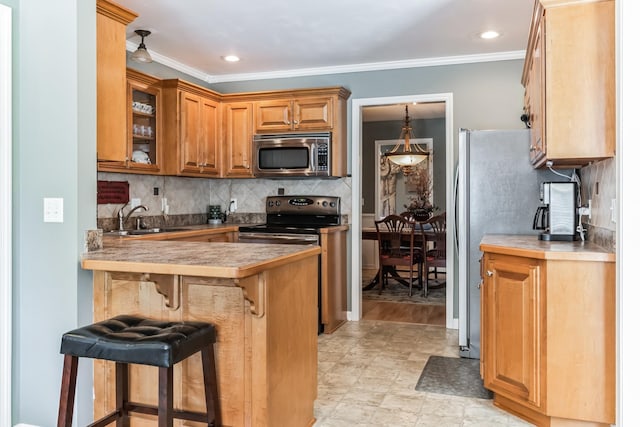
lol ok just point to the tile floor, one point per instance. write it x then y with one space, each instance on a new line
367 372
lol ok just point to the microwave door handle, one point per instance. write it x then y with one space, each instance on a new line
313 156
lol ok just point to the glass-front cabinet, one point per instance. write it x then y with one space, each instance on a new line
141 151
143 123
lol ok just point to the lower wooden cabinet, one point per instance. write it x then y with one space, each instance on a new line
512 324
548 332
228 236
333 279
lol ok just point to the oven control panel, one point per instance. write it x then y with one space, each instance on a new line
303 205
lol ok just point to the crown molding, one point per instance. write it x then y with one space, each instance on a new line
341 69
178 66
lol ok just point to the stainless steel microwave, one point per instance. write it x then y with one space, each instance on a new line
292 155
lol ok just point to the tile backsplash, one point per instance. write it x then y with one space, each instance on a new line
187 196
599 185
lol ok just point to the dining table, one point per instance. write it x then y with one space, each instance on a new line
370 233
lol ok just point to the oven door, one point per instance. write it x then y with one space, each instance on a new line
279 238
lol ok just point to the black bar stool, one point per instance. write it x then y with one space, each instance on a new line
129 339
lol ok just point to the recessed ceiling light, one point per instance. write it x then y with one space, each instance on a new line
487 35
231 58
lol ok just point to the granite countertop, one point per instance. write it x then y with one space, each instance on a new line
195 230
530 246
207 259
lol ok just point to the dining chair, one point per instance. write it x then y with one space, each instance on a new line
436 256
396 247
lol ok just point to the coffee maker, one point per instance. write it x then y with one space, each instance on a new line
558 215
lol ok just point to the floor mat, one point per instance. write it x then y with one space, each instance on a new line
453 376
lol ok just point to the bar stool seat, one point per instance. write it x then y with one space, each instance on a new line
135 340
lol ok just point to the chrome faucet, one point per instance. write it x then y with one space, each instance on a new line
122 218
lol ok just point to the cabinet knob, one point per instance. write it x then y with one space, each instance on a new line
489 273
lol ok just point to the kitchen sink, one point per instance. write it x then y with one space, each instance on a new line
143 231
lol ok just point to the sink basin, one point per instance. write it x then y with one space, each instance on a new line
144 231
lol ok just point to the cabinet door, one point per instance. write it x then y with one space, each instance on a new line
143 127
313 114
111 81
512 327
239 135
273 115
190 124
209 143
535 95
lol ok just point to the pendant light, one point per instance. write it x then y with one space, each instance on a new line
141 54
411 154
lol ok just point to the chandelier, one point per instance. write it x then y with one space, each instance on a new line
411 154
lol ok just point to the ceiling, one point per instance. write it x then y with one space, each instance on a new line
283 38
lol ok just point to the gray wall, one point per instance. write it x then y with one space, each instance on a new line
54 123
432 128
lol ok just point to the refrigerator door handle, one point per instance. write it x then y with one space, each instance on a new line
456 183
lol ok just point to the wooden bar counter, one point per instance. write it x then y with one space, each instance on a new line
262 300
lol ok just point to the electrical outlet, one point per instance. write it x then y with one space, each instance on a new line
585 210
233 205
614 210
53 209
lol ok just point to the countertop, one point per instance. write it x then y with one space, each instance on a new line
531 247
207 259
195 230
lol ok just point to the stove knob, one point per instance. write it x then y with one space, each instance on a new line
332 204
324 204
277 202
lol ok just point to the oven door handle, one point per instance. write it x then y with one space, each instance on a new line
274 238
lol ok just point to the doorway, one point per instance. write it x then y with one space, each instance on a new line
357 193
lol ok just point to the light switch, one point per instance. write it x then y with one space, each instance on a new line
53 209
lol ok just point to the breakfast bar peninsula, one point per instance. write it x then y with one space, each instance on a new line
262 300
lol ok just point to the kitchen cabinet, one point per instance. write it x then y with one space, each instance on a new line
548 330
192 130
303 114
229 236
512 317
333 277
306 110
238 152
569 79
111 84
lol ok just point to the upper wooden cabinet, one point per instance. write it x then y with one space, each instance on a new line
192 131
569 79
111 82
296 114
238 150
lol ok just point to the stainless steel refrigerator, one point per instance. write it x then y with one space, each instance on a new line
497 192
